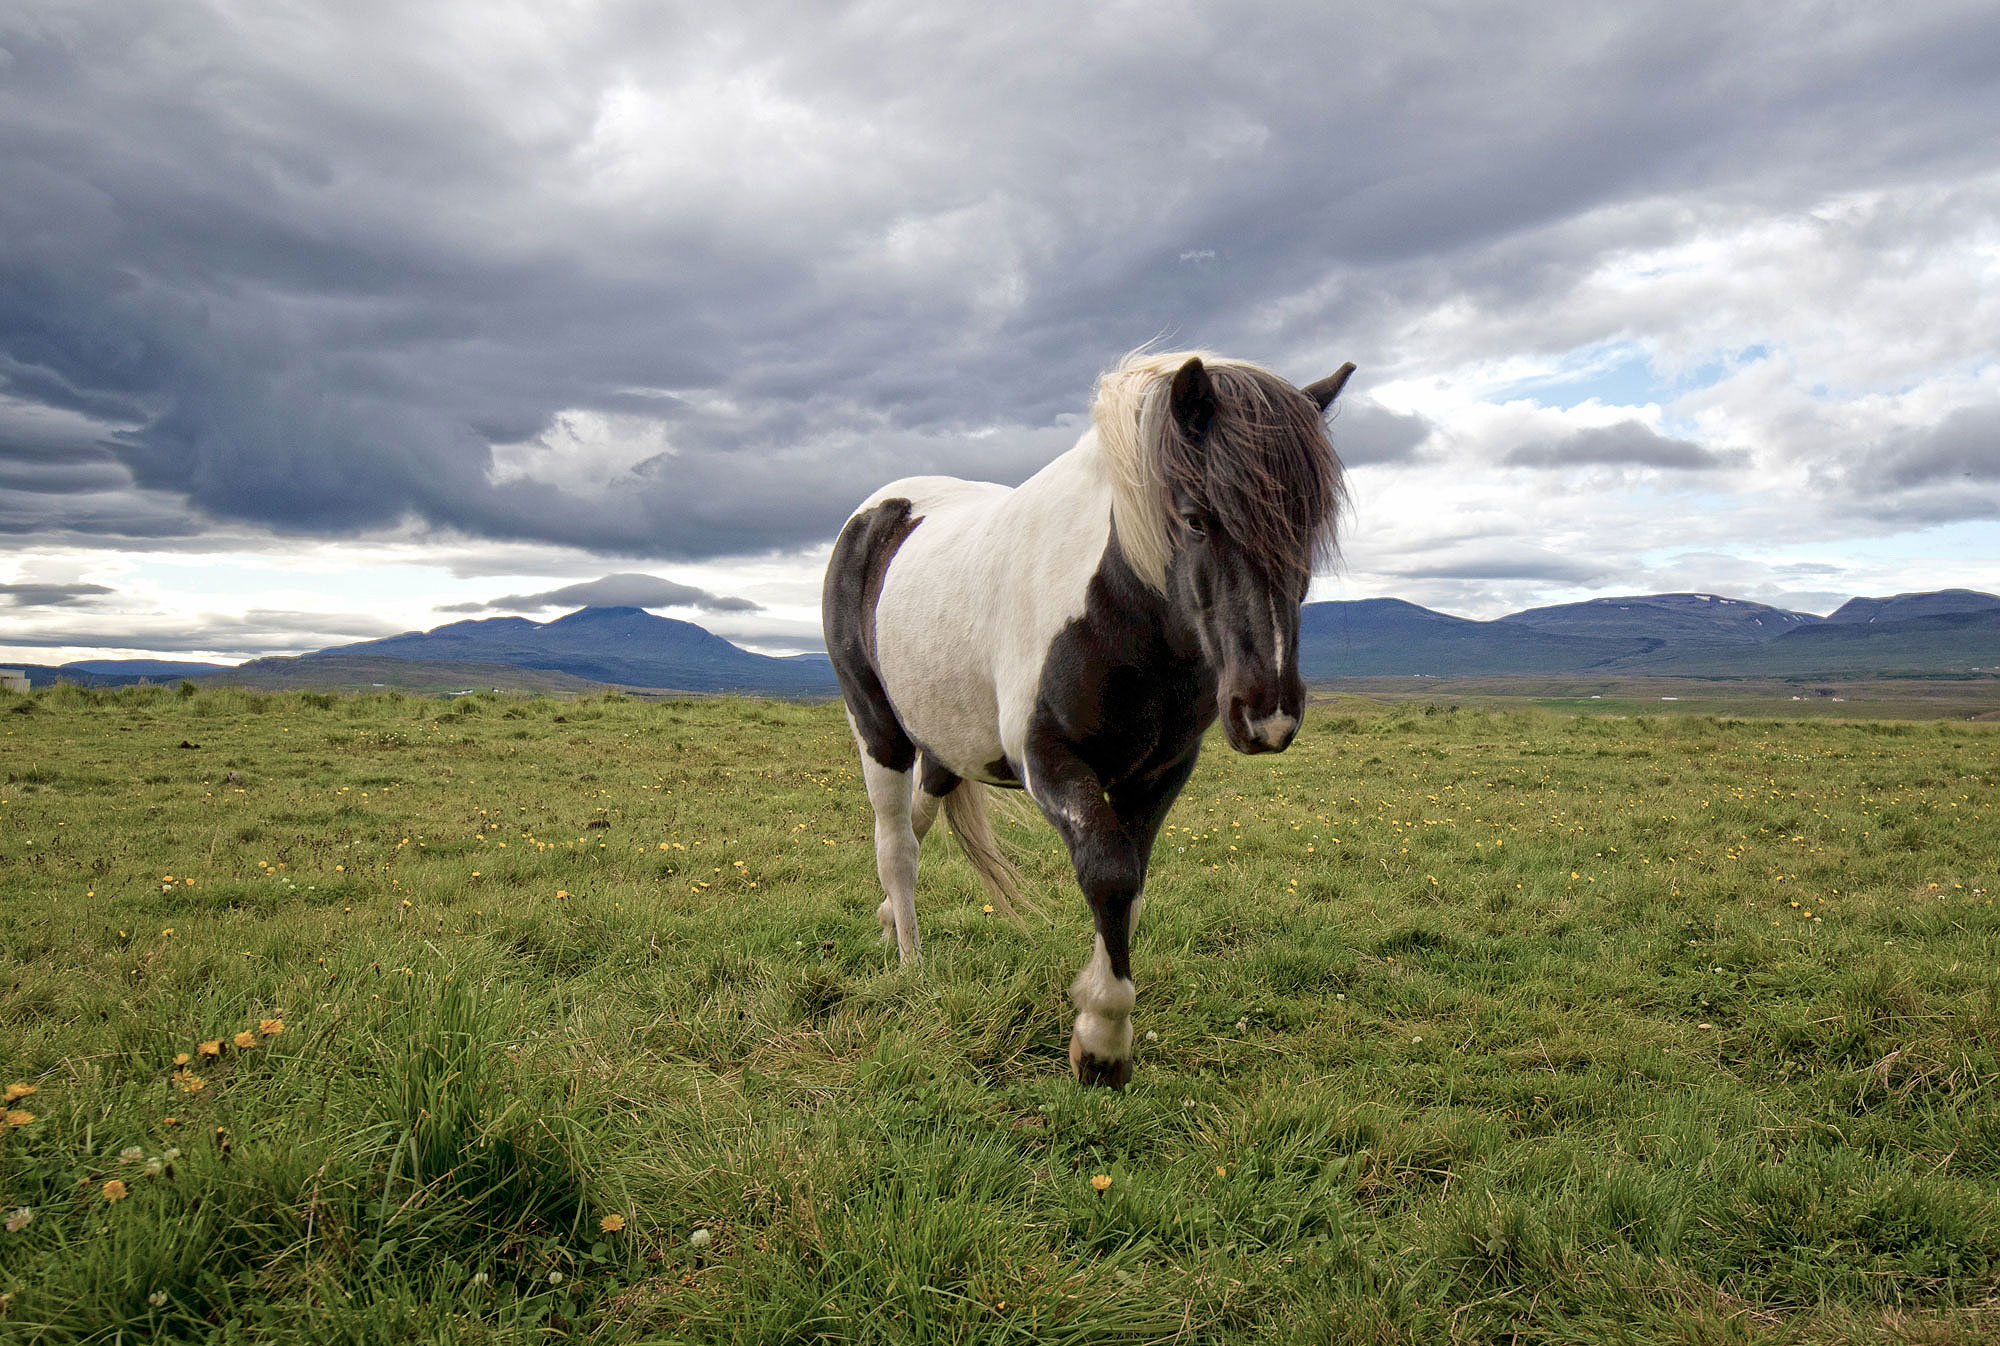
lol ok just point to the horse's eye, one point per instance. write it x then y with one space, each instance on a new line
1193 523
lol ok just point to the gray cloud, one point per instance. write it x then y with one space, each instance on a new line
258 631
1626 444
50 595
1367 433
306 275
624 590
1964 448
1505 562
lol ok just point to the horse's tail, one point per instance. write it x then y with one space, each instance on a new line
965 810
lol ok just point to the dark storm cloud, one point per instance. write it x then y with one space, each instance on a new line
306 270
1626 444
1922 476
50 595
1964 448
1365 433
623 590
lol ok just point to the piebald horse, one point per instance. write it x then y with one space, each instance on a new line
1074 637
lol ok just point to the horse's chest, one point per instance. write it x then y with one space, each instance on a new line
1130 721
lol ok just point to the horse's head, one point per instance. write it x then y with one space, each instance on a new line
1254 486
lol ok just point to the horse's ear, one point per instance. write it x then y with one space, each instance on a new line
1328 388
1193 399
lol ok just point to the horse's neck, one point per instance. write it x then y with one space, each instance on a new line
1070 500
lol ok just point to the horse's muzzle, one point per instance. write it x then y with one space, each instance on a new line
1249 732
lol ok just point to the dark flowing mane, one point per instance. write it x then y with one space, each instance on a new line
1264 470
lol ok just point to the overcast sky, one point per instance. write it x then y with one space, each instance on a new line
325 321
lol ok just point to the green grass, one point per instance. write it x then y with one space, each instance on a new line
1939 696
1455 1026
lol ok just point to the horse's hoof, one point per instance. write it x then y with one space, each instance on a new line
1110 1072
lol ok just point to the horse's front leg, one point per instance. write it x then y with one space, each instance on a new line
1111 870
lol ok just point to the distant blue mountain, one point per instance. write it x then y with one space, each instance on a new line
1702 635
116 672
1376 637
1669 619
1908 607
623 645
1949 631
143 668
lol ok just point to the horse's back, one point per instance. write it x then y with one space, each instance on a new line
933 495
979 584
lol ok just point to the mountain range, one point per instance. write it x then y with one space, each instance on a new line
1948 631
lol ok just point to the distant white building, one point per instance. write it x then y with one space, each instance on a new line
13 680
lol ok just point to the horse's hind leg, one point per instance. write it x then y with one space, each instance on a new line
890 793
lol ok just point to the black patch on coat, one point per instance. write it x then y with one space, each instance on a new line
937 779
847 615
1124 698
1000 771
1124 686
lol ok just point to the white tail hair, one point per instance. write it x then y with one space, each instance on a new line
965 811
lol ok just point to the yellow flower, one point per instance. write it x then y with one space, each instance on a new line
16 1117
245 1039
611 1224
1101 1181
15 1091
270 1028
181 1058
212 1047
189 1082
114 1190
988 908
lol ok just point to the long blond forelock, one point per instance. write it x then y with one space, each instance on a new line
1130 413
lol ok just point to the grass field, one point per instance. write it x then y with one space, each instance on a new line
1940 697
383 1018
